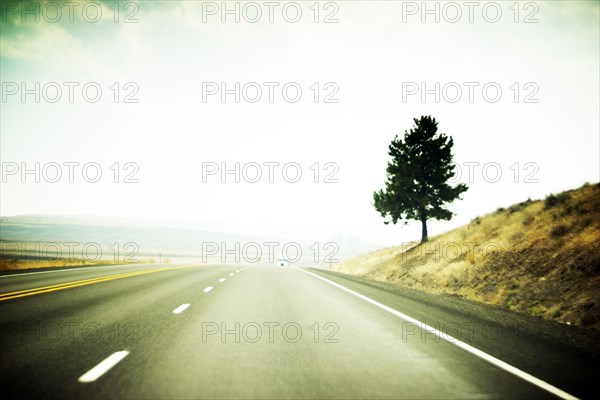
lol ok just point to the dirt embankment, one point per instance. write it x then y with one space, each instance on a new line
538 257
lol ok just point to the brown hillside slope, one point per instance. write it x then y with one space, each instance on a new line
539 257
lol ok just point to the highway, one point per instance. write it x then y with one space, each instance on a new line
244 331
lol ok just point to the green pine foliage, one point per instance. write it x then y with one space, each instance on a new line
417 177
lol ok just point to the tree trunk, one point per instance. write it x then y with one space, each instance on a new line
424 230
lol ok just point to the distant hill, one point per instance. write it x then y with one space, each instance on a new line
31 241
57 229
538 257
177 244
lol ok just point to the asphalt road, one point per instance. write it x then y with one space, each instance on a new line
269 332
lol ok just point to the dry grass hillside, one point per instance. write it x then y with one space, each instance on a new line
539 257
9 262
22 255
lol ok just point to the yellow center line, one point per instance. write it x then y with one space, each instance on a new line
84 282
63 284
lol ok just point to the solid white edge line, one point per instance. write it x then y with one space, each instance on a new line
476 352
104 366
208 289
181 308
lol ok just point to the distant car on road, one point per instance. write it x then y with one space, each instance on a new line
282 262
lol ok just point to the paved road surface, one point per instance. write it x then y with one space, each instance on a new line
267 332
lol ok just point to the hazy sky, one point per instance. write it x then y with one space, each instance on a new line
171 56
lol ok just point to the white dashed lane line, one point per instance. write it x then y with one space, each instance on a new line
103 367
231 274
180 309
222 280
208 289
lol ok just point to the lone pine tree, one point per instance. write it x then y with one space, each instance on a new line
417 177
